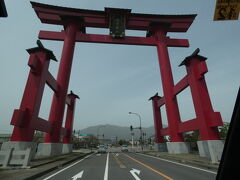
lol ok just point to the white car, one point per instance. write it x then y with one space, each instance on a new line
101 149
124 148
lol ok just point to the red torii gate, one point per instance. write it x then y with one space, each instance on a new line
75 22
207 120
26 119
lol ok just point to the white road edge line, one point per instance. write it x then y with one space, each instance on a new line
179 163
106 168
67 167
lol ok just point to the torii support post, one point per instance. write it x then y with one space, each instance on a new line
58 104
52 139
71 101
25 119
207 120
159 31
160 144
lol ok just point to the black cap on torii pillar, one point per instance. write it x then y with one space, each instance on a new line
74 95
155 97
194 54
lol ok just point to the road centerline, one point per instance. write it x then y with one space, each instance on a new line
106 168
148 167
119 162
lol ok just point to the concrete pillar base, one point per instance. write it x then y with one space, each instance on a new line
160 147
211 149
20 145
67 148
49 149
178 147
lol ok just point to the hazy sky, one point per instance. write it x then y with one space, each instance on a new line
112 80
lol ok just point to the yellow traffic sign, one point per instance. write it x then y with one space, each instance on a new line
226 10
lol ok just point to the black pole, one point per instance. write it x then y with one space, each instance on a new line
229 167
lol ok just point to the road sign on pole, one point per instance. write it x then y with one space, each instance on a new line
227 10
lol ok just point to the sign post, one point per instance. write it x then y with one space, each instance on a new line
227 10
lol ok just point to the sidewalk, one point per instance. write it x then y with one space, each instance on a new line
39 167
188 159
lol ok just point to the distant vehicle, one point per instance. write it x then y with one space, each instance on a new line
124 148
109 145
101 149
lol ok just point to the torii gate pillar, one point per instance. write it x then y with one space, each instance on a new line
71 101
177 144
160 144
25 119
59 100
52 145
210 144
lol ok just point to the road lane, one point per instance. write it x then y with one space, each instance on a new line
56 172
173 170
149 168
117 169
126 166
145 173
93 167
181 164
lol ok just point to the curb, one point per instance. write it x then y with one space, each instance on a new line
55 167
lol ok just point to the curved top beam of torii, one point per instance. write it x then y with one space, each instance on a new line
100 19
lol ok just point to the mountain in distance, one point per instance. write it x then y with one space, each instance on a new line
113 131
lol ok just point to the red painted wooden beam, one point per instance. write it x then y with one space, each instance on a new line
189 125
42 125
51 35
181 85
96 38
216 119
161 102
51 82
63 131
19 118
164 131
100 19
177 43
96 22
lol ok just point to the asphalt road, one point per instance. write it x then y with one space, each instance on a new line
127 166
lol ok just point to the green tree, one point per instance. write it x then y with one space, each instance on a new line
192 137
223 130
122 141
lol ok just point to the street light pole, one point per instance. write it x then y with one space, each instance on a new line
139 127
132 134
